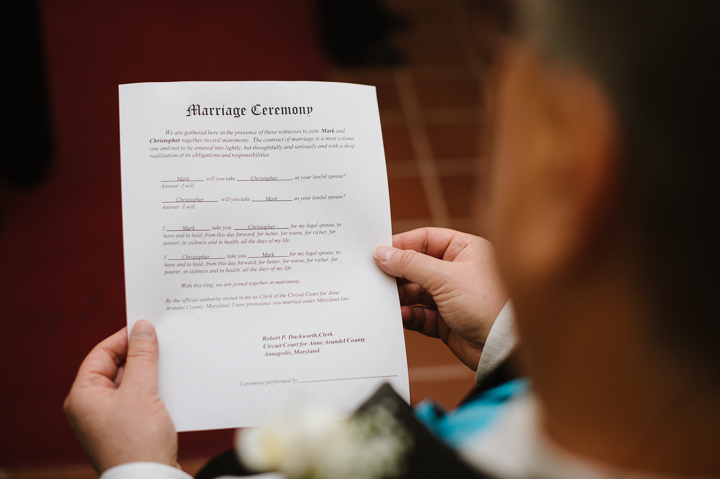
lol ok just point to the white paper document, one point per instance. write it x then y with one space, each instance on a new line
250 213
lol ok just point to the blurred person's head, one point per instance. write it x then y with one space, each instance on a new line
603 210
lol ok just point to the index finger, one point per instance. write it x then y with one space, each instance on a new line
101 366
430 241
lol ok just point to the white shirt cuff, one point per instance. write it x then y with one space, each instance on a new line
144 470
500 342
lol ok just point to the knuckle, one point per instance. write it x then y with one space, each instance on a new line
143 353
425 247
406 260
402 294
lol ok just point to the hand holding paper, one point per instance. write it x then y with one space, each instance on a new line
450 287
250 214
114 407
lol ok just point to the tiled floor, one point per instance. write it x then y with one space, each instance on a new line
433 112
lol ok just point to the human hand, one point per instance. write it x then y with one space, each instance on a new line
449 285
114 407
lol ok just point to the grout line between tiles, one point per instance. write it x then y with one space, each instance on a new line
458 15
458 18
421 148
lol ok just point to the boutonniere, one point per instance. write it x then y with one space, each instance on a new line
314 442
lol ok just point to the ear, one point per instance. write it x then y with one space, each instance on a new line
564 198
576 186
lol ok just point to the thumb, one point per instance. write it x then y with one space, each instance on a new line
424 270
141 366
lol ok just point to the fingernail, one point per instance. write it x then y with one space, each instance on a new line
384 253
143 329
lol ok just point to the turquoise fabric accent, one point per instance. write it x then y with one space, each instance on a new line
457 426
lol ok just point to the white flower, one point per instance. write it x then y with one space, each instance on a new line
315 442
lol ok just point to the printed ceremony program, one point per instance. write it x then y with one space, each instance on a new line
250 212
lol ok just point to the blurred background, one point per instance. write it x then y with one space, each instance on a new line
62 289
